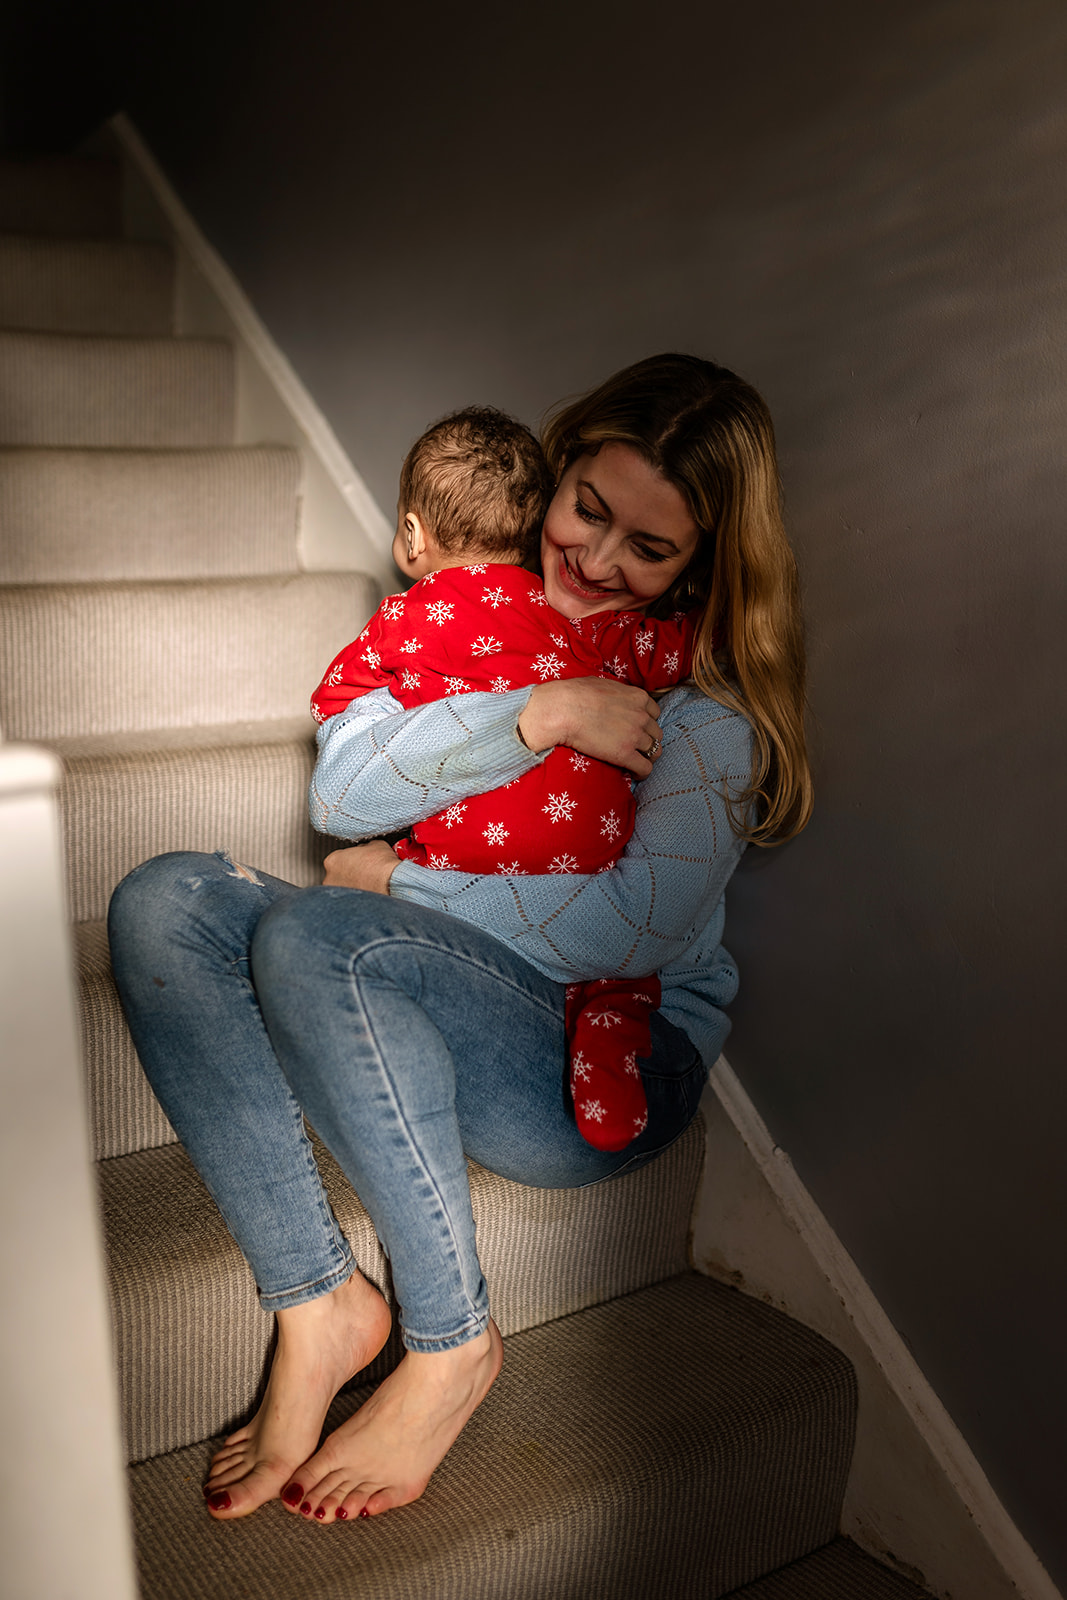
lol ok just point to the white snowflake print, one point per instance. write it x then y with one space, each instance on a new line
560 807
604 1019
335 674
495 833
454 815
500 685
593 1111
440 863
477 567
373 659
579 763
484 645
630 1064
362 635
457 685
640 1123
581 1069
563 863
537 597
512 870
441 611
409 680
410 647
616 666
643 641
672 661
320 716
547 666
558 640
393 608
647 998
610 826
495 597
431 577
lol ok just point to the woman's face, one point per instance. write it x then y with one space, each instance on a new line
616 536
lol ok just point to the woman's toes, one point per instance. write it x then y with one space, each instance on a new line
292 1495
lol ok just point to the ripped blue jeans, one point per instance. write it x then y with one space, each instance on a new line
409 1039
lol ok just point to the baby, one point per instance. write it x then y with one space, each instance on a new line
474 490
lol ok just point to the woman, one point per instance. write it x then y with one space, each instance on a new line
421 1019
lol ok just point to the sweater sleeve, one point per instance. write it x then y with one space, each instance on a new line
656 902
381 768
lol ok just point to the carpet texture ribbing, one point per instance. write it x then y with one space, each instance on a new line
191 1338
100 658
78 390
108 286
83 516
59 196
840 1571
670 1445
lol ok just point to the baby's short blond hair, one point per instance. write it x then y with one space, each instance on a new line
479 480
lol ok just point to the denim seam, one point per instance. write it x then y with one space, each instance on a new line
312 1290
401 1120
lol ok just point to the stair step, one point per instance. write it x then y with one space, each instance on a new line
840 1571
124 1114
191 1338
109 286
84 390
83 516
60 196
103 658
245 793
670 1445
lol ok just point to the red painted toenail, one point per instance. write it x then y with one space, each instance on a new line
364 1512
321 1512
220 1502
341 1514
305 1509
293 1495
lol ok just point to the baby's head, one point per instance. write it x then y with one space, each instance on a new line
474 488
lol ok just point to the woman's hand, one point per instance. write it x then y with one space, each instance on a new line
361 866
601 718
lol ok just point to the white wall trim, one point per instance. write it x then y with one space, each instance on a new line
321 437
917 1495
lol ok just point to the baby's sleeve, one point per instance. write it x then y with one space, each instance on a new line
357 669
649 653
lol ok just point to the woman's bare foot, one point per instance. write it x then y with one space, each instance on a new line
321 1344
386 1454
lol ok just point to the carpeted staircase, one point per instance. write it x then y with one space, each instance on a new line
653 1433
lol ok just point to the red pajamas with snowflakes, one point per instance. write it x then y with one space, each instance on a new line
489 627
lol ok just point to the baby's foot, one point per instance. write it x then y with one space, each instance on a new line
321 1345
387 1452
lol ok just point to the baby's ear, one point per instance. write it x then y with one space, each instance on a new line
415 535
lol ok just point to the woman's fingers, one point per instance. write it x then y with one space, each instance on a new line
596 716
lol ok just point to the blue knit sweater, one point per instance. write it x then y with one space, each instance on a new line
380 768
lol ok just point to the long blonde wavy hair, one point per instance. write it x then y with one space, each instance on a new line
710 434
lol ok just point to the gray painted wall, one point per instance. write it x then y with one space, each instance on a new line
861 209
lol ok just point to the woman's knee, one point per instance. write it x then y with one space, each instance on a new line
149 897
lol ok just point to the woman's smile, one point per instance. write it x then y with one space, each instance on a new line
616 536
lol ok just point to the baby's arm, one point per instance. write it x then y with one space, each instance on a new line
356 669
651 654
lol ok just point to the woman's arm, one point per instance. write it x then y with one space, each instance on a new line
381 768
647 910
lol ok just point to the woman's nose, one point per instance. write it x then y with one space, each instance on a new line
599 558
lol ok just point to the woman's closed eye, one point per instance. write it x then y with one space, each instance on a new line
587 513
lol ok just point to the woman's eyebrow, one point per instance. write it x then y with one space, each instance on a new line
656 538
